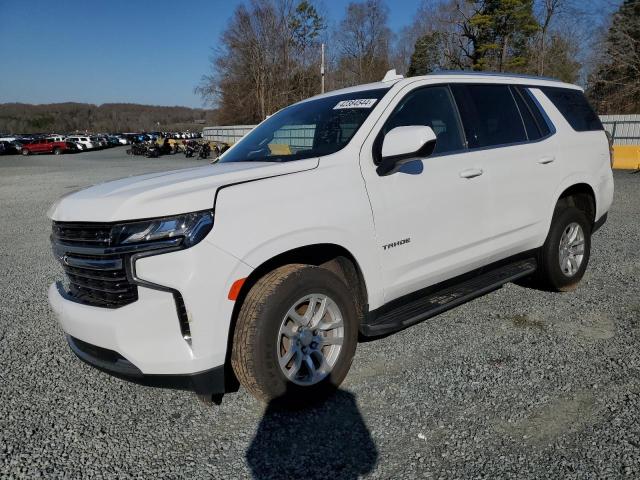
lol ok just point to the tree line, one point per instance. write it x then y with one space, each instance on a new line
108 117
269 54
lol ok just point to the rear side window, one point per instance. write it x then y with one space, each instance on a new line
489 115
574 107
535 109
533 132
534 123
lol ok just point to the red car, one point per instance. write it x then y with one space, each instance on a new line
45 145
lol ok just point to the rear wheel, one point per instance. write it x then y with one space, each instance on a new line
565 254
25 152
57 151
296 335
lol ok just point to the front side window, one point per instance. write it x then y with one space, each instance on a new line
432 107
489 115
305 130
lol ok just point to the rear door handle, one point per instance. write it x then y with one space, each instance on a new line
546 160
471 173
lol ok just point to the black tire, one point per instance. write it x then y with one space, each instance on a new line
254 355
550 275
57 151
25 152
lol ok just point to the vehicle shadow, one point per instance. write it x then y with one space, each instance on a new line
329 440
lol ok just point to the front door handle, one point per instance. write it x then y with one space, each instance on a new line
471 173
546 160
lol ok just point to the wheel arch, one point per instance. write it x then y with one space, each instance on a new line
582 196
333 257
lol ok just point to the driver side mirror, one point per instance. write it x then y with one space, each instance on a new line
403 144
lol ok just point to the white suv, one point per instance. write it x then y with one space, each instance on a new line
360 211
84 142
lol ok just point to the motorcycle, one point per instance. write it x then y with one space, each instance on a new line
205 150
153 151
189 150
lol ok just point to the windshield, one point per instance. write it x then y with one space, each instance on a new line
305 130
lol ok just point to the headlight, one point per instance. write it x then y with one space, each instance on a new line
191 227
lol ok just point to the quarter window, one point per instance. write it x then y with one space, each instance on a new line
574 107
489 115
432 107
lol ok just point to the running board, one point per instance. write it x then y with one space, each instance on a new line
445 298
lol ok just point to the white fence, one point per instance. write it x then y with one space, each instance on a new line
227 133
625 129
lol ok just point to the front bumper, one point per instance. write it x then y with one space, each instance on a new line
146 334
208 382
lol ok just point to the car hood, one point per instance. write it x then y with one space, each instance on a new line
165 193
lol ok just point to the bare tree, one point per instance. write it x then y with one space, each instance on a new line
265 60
549 9
615 85
363 42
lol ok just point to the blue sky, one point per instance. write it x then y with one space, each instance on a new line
140 51
151 52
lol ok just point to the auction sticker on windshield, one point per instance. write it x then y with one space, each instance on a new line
356 103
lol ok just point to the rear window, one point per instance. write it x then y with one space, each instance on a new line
574 107
489 115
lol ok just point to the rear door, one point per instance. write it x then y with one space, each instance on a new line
518 154
39 146
431 215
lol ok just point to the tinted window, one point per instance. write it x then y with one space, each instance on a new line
574 107
530 125
433 107
535 109
489 115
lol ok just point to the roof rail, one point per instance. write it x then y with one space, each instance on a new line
492 74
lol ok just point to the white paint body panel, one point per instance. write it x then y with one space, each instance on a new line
455 224
406 140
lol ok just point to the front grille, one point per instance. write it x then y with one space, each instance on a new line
96 276
82 233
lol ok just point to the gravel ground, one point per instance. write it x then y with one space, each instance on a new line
518 383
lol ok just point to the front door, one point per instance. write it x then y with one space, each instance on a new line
430 215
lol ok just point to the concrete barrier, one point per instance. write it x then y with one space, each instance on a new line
626 157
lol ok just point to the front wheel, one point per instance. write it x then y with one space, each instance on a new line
565 254
57 151
296 335
25 152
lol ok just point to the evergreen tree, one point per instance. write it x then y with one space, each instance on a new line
500 32
427 55
616 82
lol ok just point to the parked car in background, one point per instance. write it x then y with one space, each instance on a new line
97 142
73 147
10 147
113 140
45 145
86 142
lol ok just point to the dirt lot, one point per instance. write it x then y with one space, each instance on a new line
519 383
